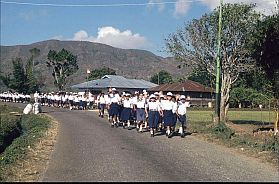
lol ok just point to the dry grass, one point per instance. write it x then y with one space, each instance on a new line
34 164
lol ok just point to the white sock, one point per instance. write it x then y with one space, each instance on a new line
180 130
128 123
140 129
168 132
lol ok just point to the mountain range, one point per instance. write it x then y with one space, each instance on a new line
129 63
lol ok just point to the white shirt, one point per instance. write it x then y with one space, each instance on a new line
114 99
36 95
102 100
71 97
107 99
127 103
167 105
140 103
64 99
76 99
134 100
154 105
174 108
182 107
91 98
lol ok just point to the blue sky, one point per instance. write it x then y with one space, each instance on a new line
131 24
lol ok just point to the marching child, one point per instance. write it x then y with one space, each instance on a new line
181 113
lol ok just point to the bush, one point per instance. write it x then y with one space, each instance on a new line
271 144
222 131
10 129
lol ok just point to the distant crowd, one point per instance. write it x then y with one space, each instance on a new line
153 112
15 97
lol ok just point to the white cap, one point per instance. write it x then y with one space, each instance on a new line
127 94
162 96
152 96
113 89
182 97
156 93
169 94
145 93
144 90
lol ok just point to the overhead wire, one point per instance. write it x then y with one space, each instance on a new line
98 5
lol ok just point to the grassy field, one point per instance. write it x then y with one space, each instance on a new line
197 121
238 117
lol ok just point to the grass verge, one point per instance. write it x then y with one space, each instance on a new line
264 145
33 127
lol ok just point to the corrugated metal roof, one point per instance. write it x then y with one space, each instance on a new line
188 85
115 81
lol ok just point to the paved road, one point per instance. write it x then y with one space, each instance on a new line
87 149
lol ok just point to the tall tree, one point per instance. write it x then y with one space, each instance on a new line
196 44
162 77
63 64
19 77
98 73
31 79
23 79
265 48
201 76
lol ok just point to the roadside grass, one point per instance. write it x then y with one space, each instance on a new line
236 116
198 122
32 127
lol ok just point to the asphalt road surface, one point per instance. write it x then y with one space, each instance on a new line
88 149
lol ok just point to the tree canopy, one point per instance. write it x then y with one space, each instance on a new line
98 73
63 64
23 79
265 48
196 44
163 78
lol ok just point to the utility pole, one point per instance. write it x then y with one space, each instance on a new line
218 68
87 73
158 78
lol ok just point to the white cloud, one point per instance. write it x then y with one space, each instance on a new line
114 37
264 6
181 8
152 3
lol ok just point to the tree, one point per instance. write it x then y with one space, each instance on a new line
98 73
201 76
23 80
265 48
196 45
31 80
63 64
163 78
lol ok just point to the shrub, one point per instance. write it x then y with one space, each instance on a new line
222 131
9 130
271 144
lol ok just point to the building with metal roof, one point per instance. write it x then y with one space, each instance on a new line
114 81
200 94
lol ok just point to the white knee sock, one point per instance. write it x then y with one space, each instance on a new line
180 130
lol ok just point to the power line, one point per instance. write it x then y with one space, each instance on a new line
97 5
